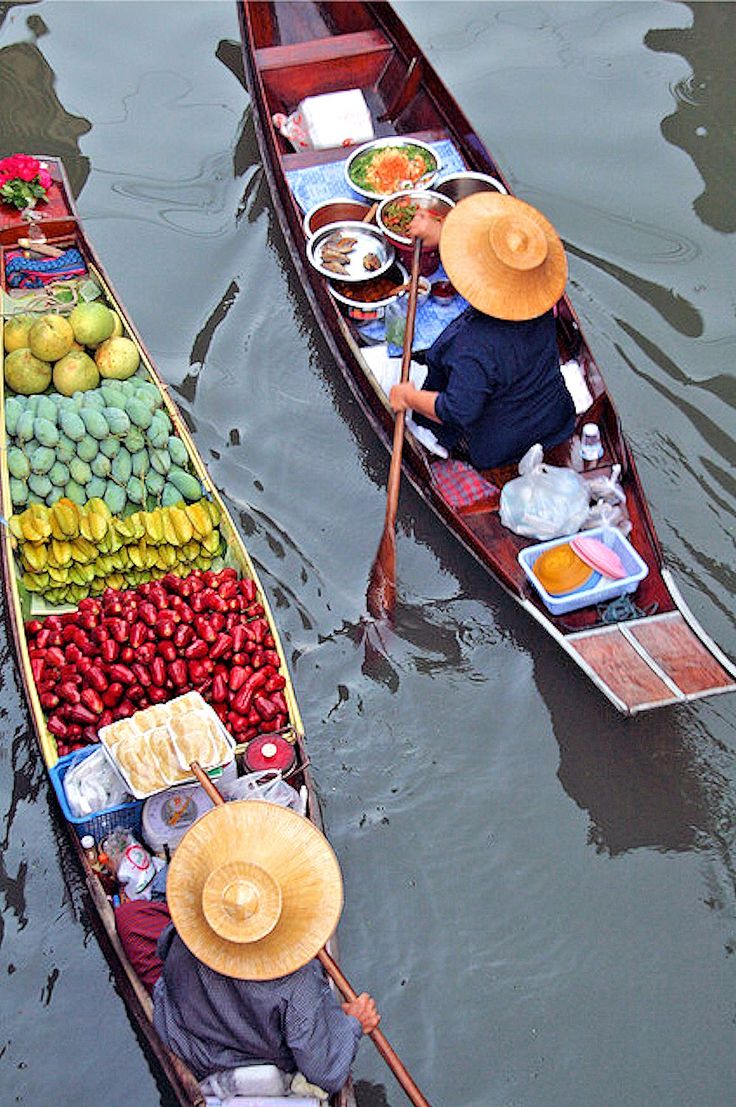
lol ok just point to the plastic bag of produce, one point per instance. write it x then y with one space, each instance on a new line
544 501
265 785
92 785
133 866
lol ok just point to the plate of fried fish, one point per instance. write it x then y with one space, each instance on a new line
350 251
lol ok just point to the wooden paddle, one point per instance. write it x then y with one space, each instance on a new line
381 597
380 1041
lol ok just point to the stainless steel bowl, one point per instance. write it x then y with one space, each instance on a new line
423 198
369 306
368 240
394 141
459 185
337 210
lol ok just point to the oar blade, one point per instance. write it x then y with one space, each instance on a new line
381 595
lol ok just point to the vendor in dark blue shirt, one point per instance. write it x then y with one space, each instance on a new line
494 385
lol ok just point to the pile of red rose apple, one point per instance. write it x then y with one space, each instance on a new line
126 650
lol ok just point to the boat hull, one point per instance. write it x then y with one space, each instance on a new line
294 51
61 228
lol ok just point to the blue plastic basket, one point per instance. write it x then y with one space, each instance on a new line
99 823
598 589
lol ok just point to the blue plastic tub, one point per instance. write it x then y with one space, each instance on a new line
599 588
99 823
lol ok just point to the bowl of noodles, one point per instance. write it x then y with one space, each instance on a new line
395 213
389 165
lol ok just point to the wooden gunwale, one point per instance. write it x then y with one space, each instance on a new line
67 230
277 31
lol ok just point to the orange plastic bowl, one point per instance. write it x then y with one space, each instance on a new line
560 570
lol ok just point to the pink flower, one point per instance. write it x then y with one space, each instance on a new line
19 165
23 181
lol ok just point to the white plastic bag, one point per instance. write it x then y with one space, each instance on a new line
544 501
331 119
608 506
265 785
92 785
132 864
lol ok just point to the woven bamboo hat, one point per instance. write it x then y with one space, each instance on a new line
254 890
503 256
560 570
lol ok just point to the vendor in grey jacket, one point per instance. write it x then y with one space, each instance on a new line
494 385
254 891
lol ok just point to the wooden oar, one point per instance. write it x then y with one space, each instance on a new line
381 597
380 1041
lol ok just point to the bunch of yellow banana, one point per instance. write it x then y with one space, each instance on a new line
68 551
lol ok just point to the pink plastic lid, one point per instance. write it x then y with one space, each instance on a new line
599 556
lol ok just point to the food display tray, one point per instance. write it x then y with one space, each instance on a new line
199 705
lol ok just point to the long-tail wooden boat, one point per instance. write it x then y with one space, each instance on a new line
34 604
295 50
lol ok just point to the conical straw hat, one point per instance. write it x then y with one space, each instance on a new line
254 890
503 256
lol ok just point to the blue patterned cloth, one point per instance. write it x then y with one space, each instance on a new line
317 183
215 1022
25 272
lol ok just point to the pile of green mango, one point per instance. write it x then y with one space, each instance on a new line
114 443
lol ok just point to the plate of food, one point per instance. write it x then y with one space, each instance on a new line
350 251
389 165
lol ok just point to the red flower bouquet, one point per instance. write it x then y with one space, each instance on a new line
23 181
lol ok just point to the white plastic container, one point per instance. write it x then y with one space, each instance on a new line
336 119
599 588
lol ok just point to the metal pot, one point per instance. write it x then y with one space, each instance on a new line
423 198
338 210
368 310
459 185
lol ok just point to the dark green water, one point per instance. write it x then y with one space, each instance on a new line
540 894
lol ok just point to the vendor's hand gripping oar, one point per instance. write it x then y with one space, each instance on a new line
381 597
332 968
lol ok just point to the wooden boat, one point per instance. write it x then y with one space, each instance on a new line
295 50
58 229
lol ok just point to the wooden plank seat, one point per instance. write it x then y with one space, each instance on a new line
290 73
333 49
658 659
